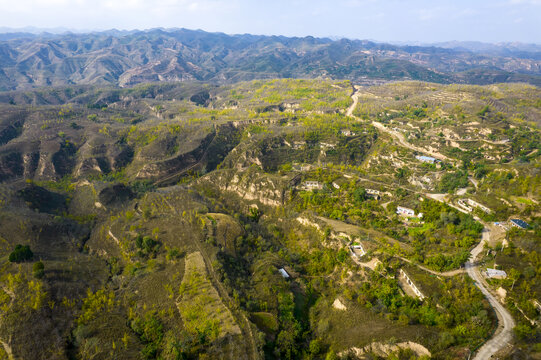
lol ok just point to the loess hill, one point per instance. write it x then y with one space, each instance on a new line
158 217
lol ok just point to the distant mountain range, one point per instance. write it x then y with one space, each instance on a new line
125 58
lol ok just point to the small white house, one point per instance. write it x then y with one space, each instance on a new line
327 145
373 193
463 205
405 211
311 185
496 274
347 132
412 285
298 144
427 159
357 250
475 204
284 273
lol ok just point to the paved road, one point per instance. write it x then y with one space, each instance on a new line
504 334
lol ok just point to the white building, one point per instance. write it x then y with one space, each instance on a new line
311 185
427 159
357 250
475 204
373 193
412 285
327 145
284 273
463 205
405 211
496 274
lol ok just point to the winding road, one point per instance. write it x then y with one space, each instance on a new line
504 333
394 134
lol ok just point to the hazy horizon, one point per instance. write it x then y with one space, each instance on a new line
419 21
412 42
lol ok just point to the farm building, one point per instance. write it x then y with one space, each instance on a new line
521 224
475 204
407 212
376 194
463 205
412 285
357 250
427 159
496 274
284 273
311 185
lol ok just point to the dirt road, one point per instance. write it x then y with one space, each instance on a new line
395 134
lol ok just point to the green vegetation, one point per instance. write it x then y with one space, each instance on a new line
38 270
160 222
21 253
452 181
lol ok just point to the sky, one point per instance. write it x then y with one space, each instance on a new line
422 21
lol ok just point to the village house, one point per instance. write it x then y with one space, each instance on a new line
475 204
463 205
521 224
347 132
301 167
284 273
412 285
357 250
496 274
311 185
407 212
502 225
327 145
298 144
376 194
427 159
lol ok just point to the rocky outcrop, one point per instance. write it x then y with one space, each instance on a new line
250 185
178 164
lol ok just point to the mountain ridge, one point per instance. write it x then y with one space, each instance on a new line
126 58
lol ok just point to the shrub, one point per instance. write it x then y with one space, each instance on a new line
147 246
21 253
38 270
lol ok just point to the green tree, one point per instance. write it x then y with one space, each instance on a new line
38 270
21 253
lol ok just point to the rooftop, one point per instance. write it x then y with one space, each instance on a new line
496 273
520 223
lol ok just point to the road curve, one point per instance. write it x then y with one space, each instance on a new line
505 321
504 333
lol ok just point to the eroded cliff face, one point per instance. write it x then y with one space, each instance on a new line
251 185
179 163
